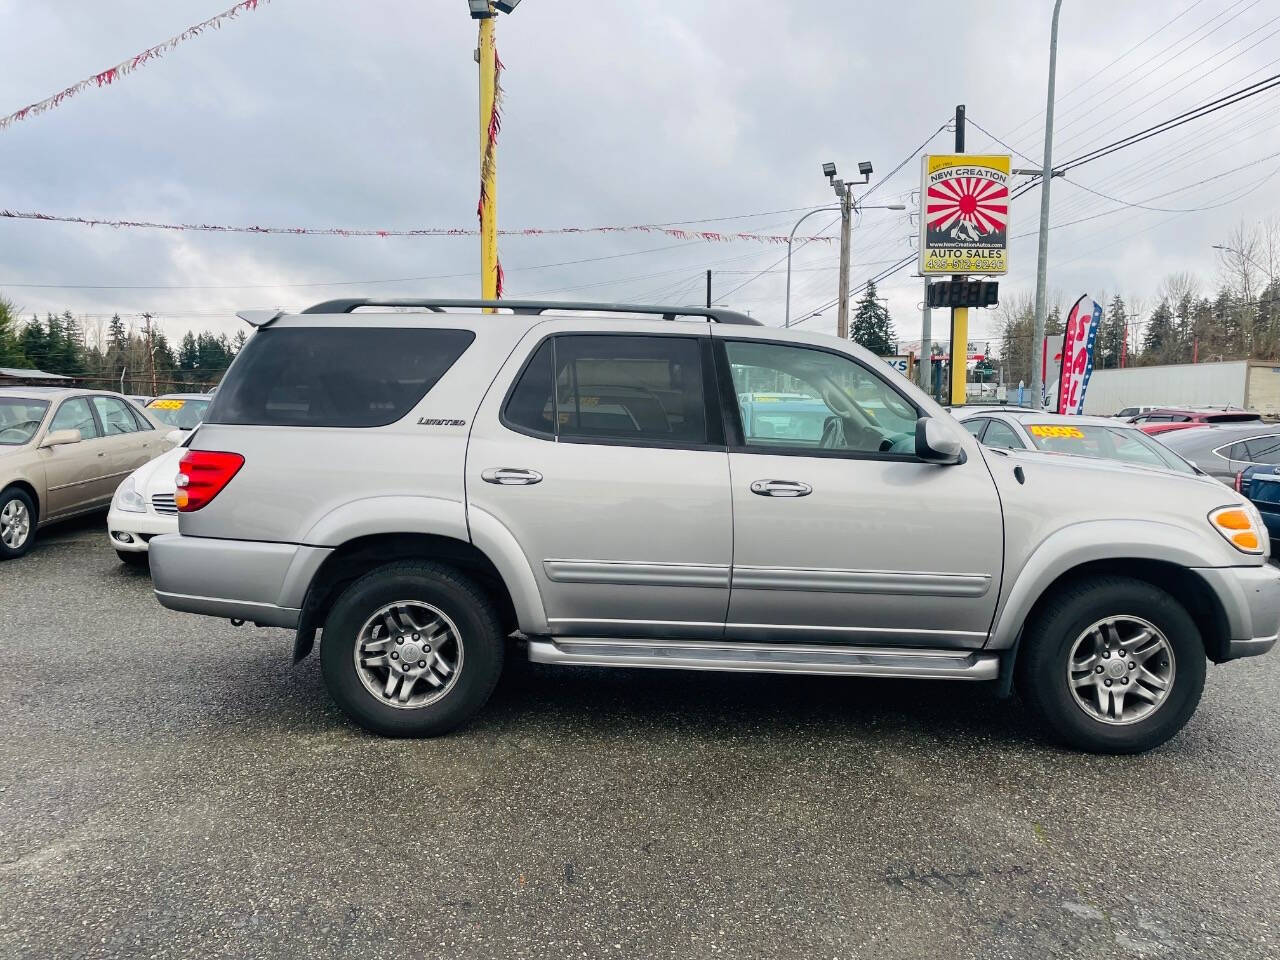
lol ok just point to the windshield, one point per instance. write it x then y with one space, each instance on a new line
1106 443
177 412
20 419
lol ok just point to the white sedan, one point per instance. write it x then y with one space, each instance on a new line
144 507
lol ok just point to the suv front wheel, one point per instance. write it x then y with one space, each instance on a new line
1112 665
411 649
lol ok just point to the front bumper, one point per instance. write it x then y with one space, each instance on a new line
1250 598
131 532
263 583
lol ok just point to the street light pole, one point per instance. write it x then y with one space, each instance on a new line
1042 256
791 237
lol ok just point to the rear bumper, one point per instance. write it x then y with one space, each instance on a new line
1250 597
263 583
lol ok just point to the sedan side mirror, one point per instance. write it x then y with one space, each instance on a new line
175 437
59 438
936 444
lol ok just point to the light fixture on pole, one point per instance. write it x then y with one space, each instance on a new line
480 9
842 191
1224 248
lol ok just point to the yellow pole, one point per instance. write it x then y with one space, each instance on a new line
959 354
488 165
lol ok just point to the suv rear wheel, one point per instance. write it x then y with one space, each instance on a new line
1112 665
412 649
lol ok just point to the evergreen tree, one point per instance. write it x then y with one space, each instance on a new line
1110 346
872 326
34 341
11 353
1160 336
238 341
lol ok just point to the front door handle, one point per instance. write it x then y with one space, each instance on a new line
781 488
510 476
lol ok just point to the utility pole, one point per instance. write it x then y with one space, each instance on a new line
846 222
959 315
1042 256
151 352
708 289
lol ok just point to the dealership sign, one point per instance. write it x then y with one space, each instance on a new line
964 215
1078 340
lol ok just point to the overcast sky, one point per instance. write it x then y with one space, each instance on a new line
324 113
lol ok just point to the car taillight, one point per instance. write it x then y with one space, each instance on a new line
201 476
1239 480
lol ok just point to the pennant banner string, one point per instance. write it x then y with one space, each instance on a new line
681 234
125 67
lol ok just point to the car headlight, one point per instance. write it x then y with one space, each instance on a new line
1241 525
128 498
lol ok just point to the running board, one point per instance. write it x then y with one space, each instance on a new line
768 658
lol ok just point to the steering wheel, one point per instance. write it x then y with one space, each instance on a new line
18 428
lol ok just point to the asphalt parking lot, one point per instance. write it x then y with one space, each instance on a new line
172 787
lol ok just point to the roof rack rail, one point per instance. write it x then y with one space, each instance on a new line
438 305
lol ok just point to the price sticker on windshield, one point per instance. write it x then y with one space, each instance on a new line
167 404
1044 430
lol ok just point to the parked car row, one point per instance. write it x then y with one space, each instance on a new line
68 451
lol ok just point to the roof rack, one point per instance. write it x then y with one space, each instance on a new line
436 305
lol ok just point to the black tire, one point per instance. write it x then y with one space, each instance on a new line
1047 643
10 495
132 558
451 592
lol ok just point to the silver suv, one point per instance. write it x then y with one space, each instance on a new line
433 489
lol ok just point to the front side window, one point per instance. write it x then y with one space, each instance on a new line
75 414
612 387
334 376
1002 437
809 399
114 417
975 425
20 419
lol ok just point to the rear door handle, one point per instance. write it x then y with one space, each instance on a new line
781 488
511 476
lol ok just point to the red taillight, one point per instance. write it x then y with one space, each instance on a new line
1239 481
201 476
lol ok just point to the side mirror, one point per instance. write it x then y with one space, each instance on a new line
936 444
58 438
175 437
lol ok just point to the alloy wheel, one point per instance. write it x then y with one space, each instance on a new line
408 654
1120 670
15 524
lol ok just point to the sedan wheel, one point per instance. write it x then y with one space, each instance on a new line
16 522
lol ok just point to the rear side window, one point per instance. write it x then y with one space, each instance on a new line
1263 450
334 376
612 387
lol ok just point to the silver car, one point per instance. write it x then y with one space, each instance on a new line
1098 437
1225 451
577 482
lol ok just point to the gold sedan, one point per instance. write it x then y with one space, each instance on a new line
63 452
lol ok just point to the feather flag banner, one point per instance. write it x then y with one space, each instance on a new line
125 67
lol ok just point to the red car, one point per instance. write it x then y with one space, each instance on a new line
1167 419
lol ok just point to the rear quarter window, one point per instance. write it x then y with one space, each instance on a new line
334 376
